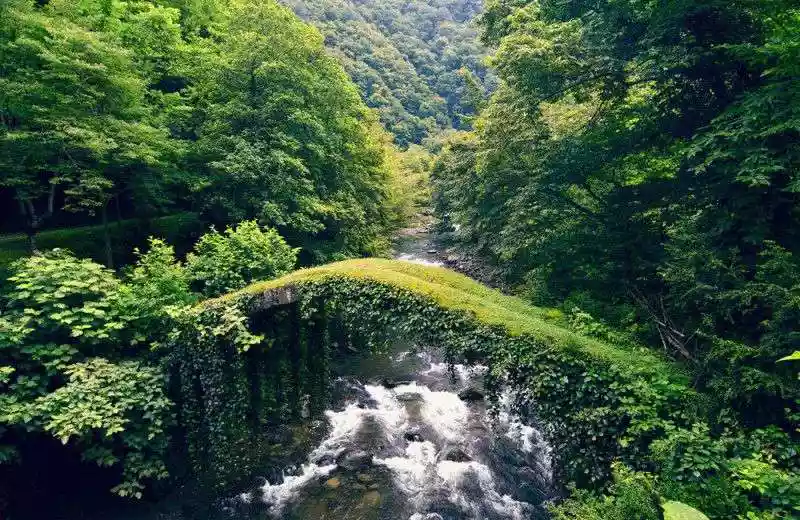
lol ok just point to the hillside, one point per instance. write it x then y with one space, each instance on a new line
420 64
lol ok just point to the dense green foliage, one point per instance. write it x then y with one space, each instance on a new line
638 164
65 331
234 109
89 241
224 262
80 347
420 64
657 188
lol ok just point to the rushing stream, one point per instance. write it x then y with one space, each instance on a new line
409 438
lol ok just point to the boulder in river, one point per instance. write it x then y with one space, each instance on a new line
333 483
409 397
455 454
413 436
470 394
324 460
354 460
393 383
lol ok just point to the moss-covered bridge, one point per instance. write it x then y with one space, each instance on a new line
249 357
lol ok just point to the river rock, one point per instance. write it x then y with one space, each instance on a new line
333 483
409 397
275 476
324 460
364 478
354 460
413 436
455 454
394 383
470 394
372 499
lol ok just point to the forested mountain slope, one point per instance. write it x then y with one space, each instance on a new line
419 63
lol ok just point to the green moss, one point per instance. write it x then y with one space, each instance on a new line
88 241
490 307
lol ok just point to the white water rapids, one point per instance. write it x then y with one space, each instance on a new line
411 449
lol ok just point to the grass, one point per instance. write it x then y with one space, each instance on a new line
87 241
455 291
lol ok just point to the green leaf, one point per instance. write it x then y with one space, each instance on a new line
679 511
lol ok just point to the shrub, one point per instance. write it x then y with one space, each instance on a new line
224 262
632 495
62 331
155 283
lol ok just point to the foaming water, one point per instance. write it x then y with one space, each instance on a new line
414 450
414 259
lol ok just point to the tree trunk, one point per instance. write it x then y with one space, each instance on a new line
107 238
119 216
31 230
34 220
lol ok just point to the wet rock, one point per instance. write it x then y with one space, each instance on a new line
410 397
354 460
281 434
432 251
527 492
305 407
364 478
441 508
413 437
372 499
275 476
394 383
470 394
333 483
324 460
455 454
293 471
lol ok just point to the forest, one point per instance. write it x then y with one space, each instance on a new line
420 64
197 198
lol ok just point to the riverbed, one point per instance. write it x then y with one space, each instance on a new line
408 437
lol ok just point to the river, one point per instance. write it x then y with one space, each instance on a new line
402 444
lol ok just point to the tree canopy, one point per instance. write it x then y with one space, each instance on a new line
230 108
420 64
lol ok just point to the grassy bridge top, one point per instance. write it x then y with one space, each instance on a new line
457 292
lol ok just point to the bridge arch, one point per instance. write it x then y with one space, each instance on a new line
248 359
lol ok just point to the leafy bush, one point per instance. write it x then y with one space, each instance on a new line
769 489
116 413
224 262
154 284
62 330
632 495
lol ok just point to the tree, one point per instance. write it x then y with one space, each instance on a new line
73 116
284 137
643 156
